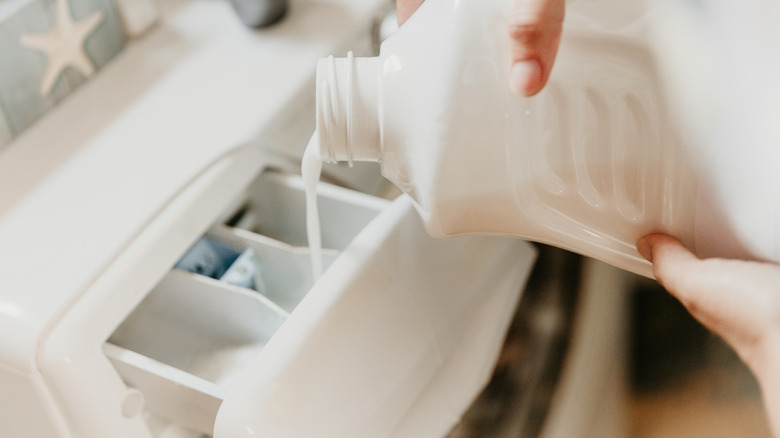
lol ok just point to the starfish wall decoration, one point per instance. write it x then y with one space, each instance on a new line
64 44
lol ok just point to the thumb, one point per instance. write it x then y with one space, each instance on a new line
535 34
735 299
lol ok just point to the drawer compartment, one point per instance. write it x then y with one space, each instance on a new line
199 325
187 341
277 206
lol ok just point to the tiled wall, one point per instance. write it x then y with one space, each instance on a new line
22 68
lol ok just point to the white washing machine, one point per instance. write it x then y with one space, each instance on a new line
193 135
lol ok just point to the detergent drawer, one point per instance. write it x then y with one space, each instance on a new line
190 338
402 330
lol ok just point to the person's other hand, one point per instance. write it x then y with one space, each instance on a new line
535 34
738 300
405 8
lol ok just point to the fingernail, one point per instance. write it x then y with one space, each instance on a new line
645 250
526 77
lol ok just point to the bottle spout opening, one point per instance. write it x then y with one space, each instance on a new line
347 109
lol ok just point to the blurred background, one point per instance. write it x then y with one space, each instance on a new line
680 379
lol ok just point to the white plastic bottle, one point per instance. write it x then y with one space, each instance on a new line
591 164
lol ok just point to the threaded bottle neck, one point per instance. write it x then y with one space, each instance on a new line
347 108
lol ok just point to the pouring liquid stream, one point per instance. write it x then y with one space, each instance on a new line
311 168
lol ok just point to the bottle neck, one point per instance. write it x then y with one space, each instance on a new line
348 126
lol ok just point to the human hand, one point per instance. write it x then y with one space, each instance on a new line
535 34
405 8
738 300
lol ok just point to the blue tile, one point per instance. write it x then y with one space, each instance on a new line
22 68
9 8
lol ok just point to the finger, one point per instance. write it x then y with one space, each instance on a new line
735 299
535 34
671 260
699 285
405 8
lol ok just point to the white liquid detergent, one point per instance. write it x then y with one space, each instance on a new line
311 168
591 164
